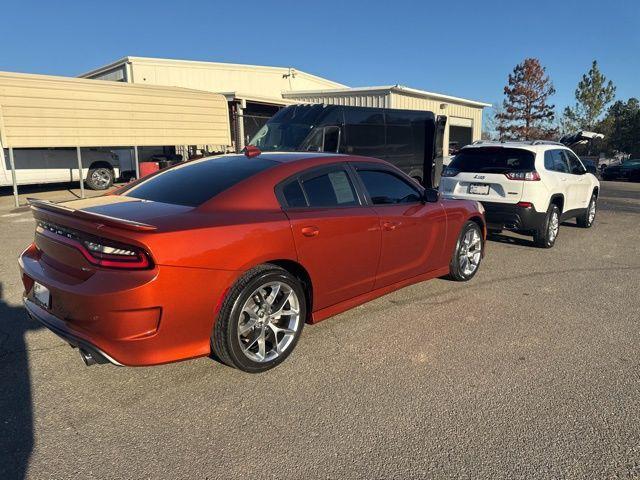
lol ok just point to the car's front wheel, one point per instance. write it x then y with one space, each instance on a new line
261 320
587 218
468 253
546 238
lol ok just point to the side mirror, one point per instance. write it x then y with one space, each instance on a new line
430 195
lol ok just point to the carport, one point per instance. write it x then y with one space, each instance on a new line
39 111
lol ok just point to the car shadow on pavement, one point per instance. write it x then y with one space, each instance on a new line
16 409
511 240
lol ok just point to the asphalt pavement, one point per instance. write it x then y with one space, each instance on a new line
531 370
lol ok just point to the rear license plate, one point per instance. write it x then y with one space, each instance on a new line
479 188
41 295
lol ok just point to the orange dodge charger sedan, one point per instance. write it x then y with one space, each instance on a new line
231 255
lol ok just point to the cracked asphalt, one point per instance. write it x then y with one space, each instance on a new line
531 370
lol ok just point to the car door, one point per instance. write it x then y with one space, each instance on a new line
578 184
412 231
337 237
558 176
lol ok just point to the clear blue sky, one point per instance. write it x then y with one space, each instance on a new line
461 48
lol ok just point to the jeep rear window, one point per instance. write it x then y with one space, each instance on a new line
193 183
493 160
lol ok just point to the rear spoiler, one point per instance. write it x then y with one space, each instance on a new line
37 204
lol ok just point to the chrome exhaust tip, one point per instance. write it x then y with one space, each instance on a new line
87 358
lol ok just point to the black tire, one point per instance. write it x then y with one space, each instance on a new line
100 178
585 220
225 342
545 238
456 270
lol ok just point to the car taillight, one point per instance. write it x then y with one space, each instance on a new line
449 172
523 176
115 256
98 251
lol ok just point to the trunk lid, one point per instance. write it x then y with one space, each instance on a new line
483 173
484 187
78 237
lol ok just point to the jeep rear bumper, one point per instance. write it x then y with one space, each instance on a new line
515 217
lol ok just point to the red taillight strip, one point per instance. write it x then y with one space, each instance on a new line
141 262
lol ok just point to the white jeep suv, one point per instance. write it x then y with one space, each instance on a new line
526 187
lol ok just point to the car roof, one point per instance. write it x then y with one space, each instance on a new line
284 157
532 146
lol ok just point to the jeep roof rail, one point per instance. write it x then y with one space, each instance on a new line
545 142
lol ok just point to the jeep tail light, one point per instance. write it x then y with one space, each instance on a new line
532 176
449 172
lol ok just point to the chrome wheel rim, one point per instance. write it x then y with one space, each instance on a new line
554 226
101 177
592 211
470 251
268 322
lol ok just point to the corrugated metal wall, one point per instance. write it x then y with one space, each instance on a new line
379 100
46 111
250 80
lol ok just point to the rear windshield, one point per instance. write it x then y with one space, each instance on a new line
196 182
493 160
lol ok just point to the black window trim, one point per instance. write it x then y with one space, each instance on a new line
386 169
313 172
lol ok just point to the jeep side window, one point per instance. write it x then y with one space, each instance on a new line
575 165
555 161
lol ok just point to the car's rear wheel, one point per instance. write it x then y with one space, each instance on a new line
468 253
546 238
100 178
261 320
587 218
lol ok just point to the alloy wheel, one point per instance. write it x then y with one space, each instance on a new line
269 321
554 226
592 211
470 251
101 178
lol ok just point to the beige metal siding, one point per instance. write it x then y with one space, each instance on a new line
352 100
252 80
46 111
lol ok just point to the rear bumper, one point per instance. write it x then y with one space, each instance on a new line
132 318
53 324
508 216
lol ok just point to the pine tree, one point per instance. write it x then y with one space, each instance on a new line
526 114
593 94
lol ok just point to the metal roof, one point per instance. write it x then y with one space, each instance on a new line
401 89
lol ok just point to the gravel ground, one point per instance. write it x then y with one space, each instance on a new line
529 370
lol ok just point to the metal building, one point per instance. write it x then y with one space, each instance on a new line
254 93
41 111
464 117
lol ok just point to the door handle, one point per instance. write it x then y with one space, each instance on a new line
310 231
389 225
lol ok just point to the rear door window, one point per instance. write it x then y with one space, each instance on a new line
493 160
555 161
330 189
